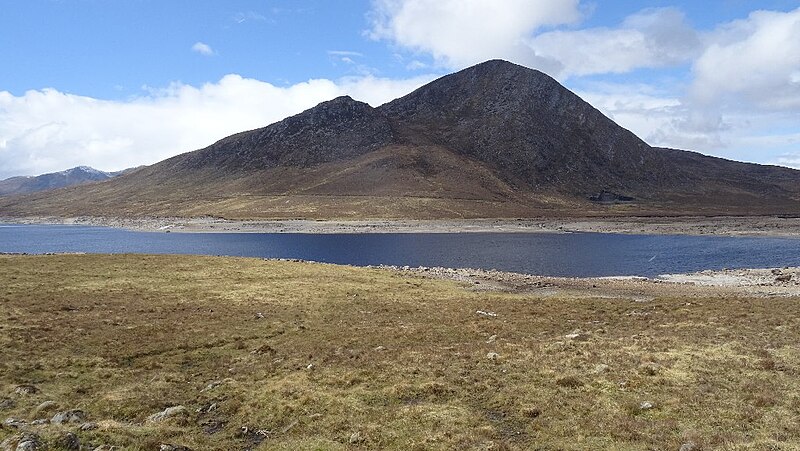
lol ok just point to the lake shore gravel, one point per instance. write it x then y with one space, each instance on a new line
763 226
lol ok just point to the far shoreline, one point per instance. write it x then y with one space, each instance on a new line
745 226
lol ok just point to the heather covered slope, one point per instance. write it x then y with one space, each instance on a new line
493 140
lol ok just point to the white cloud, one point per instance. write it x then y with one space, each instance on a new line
651 38
459 33
753 60
792 161
47 130
203 49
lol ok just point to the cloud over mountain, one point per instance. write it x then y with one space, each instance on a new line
48 130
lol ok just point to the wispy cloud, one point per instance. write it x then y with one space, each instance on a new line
348 53
203 49
350 58
249 16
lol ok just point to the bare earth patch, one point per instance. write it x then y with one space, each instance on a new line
234 353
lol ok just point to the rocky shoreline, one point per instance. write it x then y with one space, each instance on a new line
763 226
739 282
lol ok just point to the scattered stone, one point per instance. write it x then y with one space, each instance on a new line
776 272
211 385
69 441
487 314
491 339
167 413
493 356
40 421
171 447
26 389
15 423
7 403
207 408
689 446
577 335
69 416
379 349
259 315
784 278
29 442
356 438
88 426
646 405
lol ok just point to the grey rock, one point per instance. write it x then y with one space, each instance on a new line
493 356
207 408
88 426
40 421
212 385
69 416
169 412
170 447
688 446
26 389
29 442
14 423
356 438
646 405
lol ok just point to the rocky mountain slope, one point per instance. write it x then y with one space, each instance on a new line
493 140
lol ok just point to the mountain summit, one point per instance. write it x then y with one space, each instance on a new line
493 140
70 177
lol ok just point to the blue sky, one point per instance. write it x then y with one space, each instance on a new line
114 84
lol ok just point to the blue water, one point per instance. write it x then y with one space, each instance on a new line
574 254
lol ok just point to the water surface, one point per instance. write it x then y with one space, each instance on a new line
572 254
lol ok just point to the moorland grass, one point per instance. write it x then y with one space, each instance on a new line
292 355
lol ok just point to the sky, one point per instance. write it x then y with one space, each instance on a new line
117 84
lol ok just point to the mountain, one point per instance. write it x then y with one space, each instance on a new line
70 177
493 140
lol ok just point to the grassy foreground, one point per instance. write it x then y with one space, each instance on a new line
282 355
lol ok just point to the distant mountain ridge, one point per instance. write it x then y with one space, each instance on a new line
492 140
69 177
